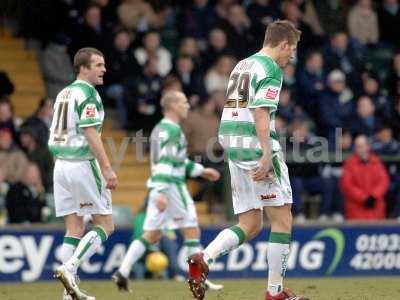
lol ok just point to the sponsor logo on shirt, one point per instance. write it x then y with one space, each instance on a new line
271 93
90 111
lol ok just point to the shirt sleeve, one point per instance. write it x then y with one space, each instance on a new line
267 93
192 168
88 109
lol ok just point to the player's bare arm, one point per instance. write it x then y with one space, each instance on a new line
96 145
210 174
261 117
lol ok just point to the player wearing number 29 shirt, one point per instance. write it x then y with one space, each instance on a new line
259 176
83 175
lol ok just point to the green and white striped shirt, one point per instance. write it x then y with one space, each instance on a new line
77 106
254 82
168 157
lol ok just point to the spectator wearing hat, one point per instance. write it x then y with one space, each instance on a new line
364 183
334 106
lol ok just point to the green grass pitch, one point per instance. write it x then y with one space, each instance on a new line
316 289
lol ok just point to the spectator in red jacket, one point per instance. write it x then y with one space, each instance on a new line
364 183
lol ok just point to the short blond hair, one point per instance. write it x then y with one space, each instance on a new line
279 31
170 97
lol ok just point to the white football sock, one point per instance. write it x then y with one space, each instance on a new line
86 248
193 246
135 252
278 254
227 240
68 247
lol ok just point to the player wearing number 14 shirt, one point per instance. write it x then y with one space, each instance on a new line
259 176
83 175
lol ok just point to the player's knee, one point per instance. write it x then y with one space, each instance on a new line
282 224
251 230
152 236
78 230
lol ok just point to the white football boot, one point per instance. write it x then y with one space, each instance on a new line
69 282
212 286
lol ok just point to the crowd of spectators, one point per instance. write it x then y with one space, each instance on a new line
346 74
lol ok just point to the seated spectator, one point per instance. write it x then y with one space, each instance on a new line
289 78
383 142
143 97
4 187
25 198
364 183
121 65
389 22
56 66
311 82
152 47
287 108
308 39
12 160
237 28
189 77
39 154
362 22
364 121
381 102
136 15
40 121
92 32
222 8
217 47
346 141
217 76
198 19
341 55
261 13
331 14
334 107
306 178
393 79
7 117
6 86
395 120
202 139
172 83
190 47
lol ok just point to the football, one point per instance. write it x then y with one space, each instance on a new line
156 262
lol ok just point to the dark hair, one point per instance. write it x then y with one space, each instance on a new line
83 56
280 31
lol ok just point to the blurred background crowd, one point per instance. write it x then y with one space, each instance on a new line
346 75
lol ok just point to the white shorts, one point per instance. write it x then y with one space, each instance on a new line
79 188
180 212
248 194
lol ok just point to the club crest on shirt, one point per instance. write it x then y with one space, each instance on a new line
271 93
